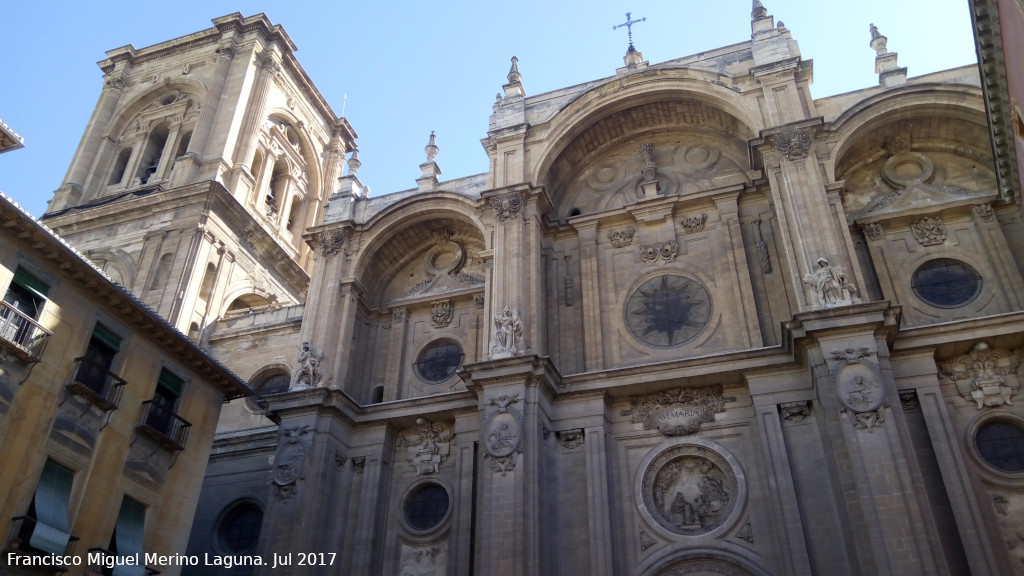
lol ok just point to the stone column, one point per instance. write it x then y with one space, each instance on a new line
395 372
92 140
510 276
731 263
330 305
599 498
211 110
267 66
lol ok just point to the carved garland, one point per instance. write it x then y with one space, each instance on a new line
795 144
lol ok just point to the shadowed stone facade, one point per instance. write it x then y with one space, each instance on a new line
690 321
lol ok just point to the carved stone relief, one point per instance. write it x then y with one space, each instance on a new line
987 376
746 533
568 281
428 446
872 230
694 224
331 242
507 206
358 464
478 300
508 333
397 315
427 560
678 411
1009 510
795 412
289 460
869 420
648 169
689 489
858 383
621 238
763 257
983 212
659 253
571 440
705 566
909 400
441 313
307 372
502 433
646 541
339 459
794 144
929 230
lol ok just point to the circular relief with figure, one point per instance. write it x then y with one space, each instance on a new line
668 310
690 489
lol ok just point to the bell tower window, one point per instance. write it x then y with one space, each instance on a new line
120 165
154 149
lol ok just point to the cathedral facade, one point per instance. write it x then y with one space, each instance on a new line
690 321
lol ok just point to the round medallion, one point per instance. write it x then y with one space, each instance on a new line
502 434
690 489
859 387
668 310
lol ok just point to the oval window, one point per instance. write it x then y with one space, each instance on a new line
946 283
439 360
1001 444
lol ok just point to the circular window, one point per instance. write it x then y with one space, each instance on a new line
439 360
240 530
267 384
946 283
668 310
426 506
1001 444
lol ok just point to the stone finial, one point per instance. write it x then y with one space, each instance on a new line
514 76
515 80
758 11
354 163
889 72
431 148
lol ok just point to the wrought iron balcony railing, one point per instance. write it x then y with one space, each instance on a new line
97 384
163 425
23 335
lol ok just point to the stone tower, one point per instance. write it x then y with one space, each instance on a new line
206 158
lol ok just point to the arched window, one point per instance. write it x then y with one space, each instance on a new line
193 332
267 382
120 165
183 144
295 217
151 154
276 190
247 304
378 395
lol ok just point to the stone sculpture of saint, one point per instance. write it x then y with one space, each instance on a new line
831 283
307 372
509 333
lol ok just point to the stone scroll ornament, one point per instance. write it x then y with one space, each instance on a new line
795 144
428 446
502 433
859 387
507 206
987 376
331 242
289 460
307 372
621 238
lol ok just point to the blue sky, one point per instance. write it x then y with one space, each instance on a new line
411 67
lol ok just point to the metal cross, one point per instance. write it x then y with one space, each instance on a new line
629 28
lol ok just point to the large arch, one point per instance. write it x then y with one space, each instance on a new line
721 558
681 111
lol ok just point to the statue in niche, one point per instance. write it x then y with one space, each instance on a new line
509 332
832 285
308 373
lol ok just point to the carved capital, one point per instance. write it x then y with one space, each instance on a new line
331 241
507 206
872 230
694 224
441 313
795 411
659 253
621 238
795 144
929 230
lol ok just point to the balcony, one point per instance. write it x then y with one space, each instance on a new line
20 542
95 383
163 426
21 334
102 561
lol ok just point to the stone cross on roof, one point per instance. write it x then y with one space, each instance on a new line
629 28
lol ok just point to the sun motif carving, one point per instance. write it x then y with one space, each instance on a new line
668 310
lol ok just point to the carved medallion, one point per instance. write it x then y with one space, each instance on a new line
987 376
423 560
571 439
857 380
678 411
690 489
872 230
668 310
502 433
291 455
331 242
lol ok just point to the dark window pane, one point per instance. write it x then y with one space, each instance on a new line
946 283
1001 444
240 530
439 360
426 507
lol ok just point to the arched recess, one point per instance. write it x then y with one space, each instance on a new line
246 303
117 264
699 131
270 379
945 128
726 558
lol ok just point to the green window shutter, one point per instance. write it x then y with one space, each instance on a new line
53 494
169 381
128 536
106 337
30 282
